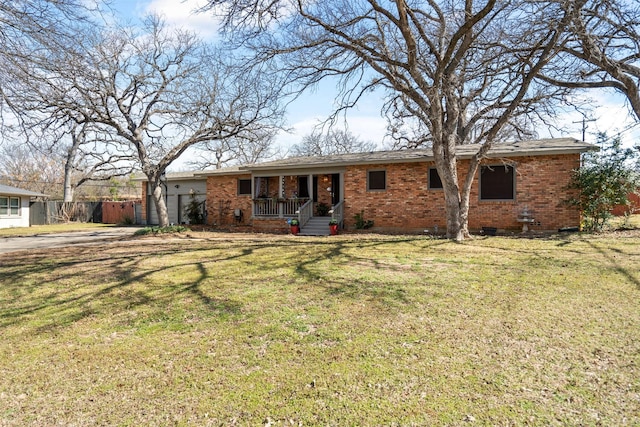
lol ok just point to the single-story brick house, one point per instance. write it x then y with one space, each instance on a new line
14 206
522 184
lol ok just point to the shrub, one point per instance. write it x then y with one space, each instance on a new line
605 179
161 230
361 223
195 210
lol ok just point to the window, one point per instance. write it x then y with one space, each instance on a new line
435 183
376 180
244 187
10 206
497 183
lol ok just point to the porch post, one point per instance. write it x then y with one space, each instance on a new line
253 196
310 187
281 196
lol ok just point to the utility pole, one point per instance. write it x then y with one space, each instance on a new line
584 126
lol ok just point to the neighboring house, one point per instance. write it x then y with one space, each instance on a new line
518 184
14 206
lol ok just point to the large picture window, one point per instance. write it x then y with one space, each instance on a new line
244 187
9 206
376 180
497 182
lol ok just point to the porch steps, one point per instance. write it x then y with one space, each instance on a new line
317 226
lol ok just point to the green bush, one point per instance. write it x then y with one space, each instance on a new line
605 179
161 230
361 223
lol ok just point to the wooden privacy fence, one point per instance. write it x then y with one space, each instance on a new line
43 213
118 212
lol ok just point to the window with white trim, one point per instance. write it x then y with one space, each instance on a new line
9 206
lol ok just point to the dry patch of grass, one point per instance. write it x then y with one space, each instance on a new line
351 330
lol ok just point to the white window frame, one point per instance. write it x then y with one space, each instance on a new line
10 207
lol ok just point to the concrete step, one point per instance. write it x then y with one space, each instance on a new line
316 226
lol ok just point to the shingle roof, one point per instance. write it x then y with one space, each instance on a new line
537 147
199 174
15 191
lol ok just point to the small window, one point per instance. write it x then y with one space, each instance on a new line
377 180
435 183
497 183
244 187
4 206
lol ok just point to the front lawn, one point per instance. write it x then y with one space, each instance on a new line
348 330
50 229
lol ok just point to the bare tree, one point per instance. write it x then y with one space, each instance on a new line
21 166
333 142
462 69
36 35
28 26
232 151
603 48
155 93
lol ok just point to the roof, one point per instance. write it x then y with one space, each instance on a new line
539 147
15 191
199 174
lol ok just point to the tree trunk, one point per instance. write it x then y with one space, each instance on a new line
157 194
68 187
457 208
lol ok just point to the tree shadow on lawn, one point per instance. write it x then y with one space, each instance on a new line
46 291
338 256
49 290
633 276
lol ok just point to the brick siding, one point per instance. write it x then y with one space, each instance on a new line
408 205
223 200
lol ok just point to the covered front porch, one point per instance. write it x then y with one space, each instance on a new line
297 196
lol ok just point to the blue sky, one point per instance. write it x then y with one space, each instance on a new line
612 116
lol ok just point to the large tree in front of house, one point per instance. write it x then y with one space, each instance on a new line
156 92
463 70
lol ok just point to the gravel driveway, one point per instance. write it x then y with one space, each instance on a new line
58 240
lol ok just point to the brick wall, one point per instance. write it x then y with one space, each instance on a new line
223 199
408 205
144 201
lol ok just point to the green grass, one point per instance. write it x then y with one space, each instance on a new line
348 330
50 229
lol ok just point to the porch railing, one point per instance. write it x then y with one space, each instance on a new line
273 207
305 212
337 212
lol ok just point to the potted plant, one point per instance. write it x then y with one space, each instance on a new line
322 209
295 226
333 226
